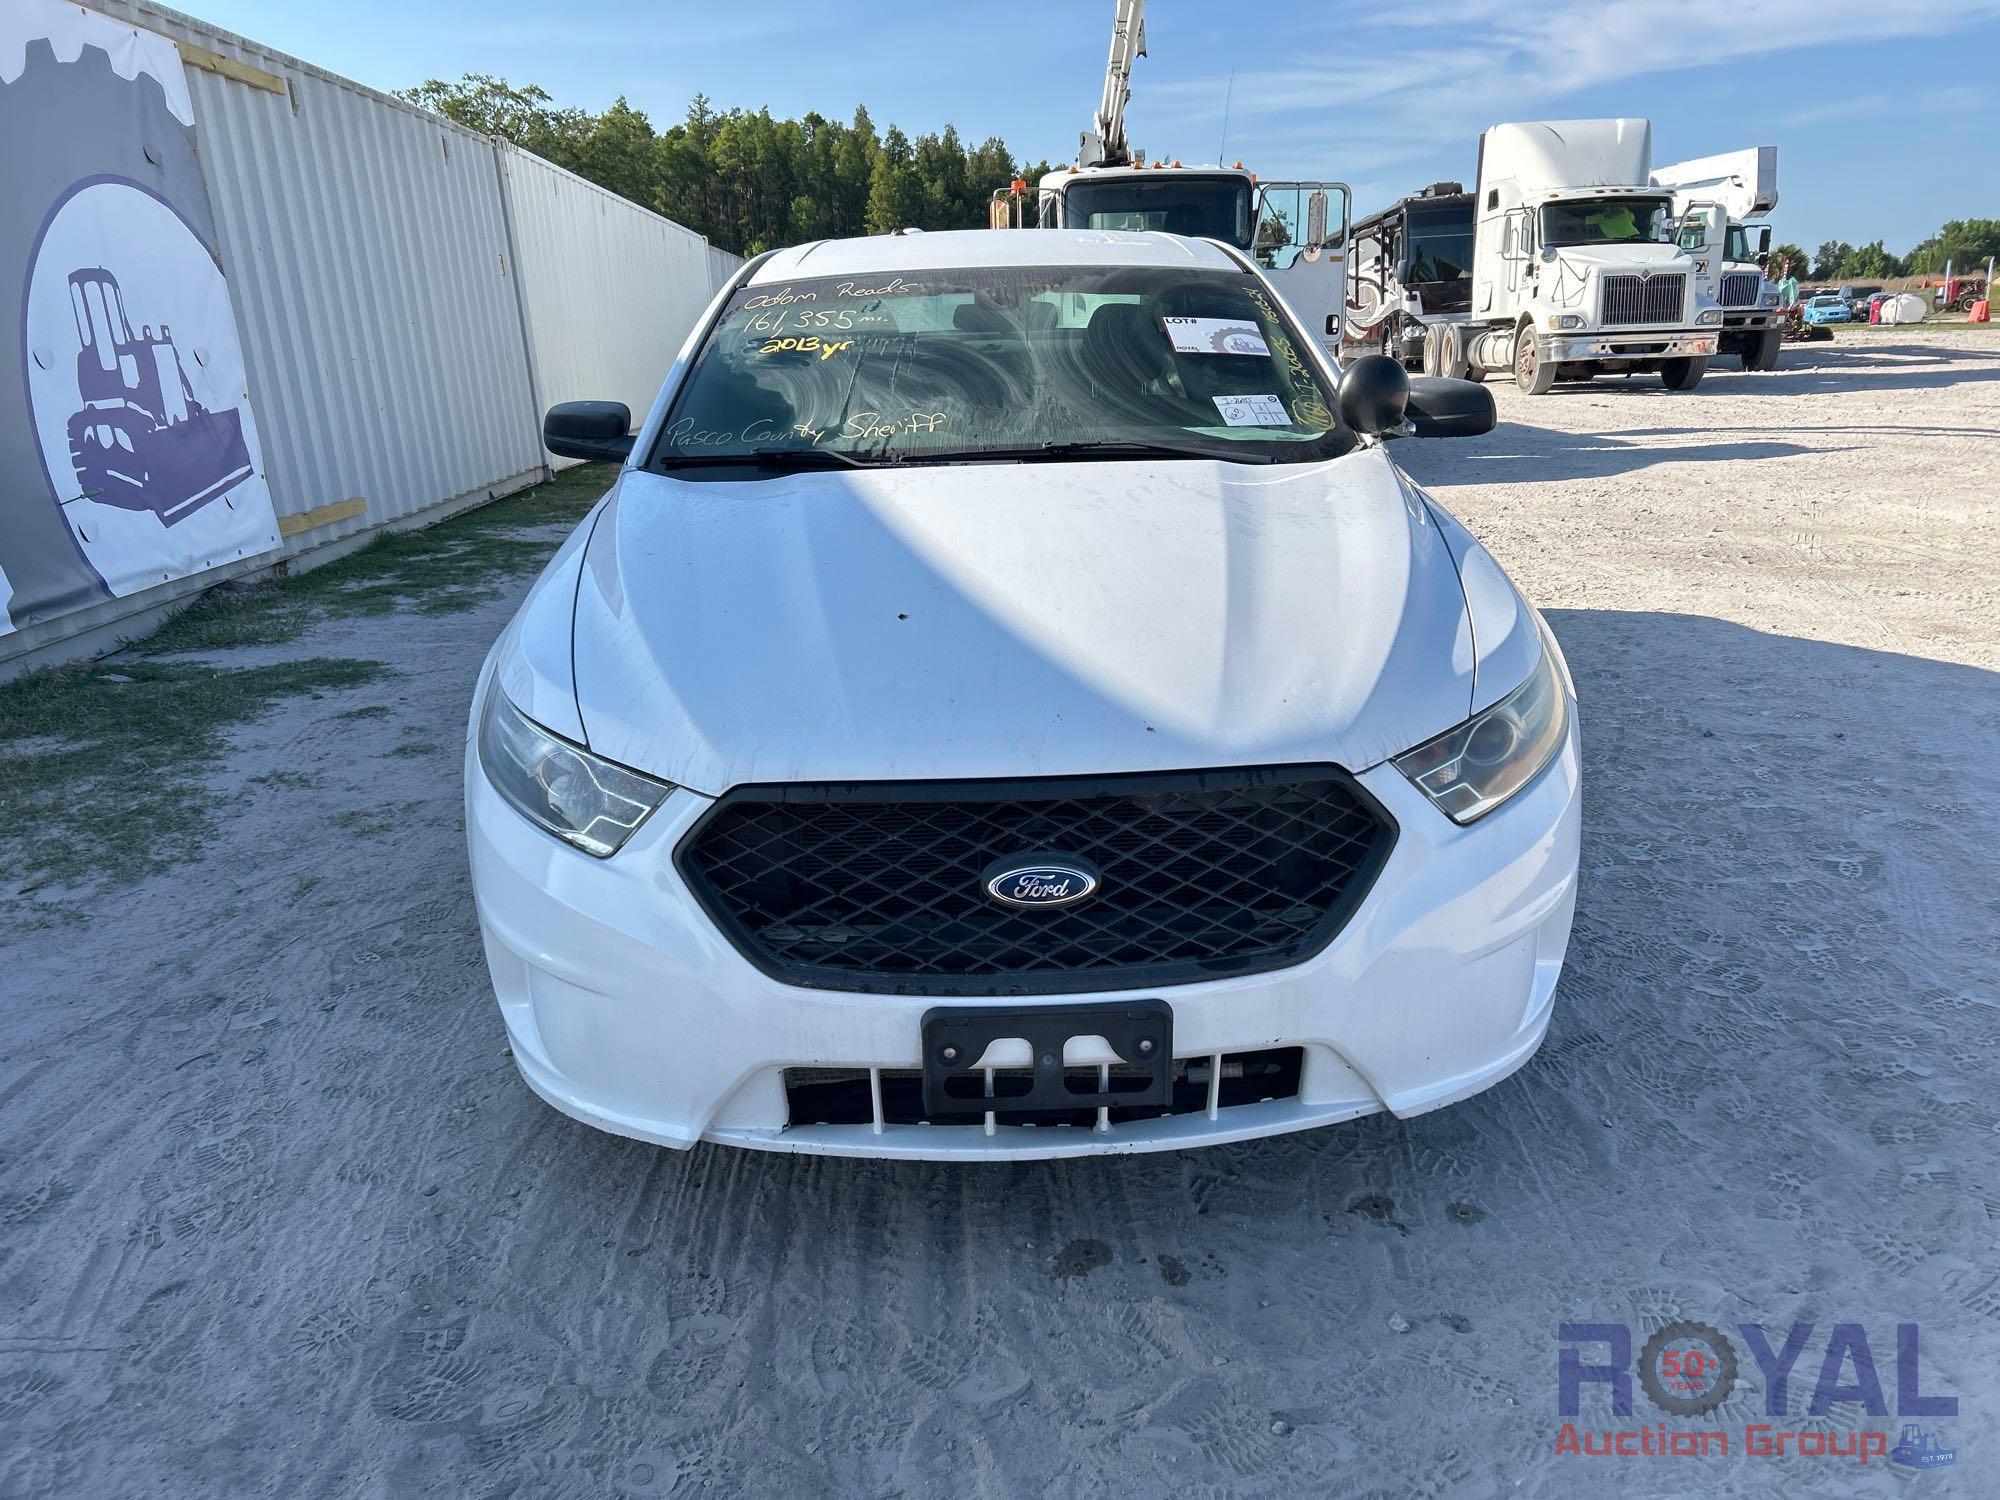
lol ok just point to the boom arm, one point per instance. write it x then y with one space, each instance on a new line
1104 144
1744 182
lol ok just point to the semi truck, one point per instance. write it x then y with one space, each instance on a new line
1408 268
1288 227
1744 184
1577 264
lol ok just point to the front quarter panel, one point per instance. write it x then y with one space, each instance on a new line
1506 644
532 661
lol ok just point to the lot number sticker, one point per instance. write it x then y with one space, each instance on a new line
1253 411
1215 336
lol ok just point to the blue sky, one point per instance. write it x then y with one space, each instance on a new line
1886 113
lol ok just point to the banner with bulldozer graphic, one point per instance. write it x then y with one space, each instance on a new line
128 449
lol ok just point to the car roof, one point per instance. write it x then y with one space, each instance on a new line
975 249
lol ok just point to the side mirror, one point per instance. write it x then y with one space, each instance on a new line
1316 217
1442 407
598 431
1764 241
1373 392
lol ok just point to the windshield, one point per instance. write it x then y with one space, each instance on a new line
1202 207
1604 221
1440 247
940 366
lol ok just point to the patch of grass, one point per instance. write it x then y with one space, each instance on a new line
289 781
442 569
366 711
101 769
411 748
363 822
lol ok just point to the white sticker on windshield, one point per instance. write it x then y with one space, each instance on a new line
1215 336
1253 411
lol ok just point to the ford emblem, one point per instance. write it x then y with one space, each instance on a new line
1040 880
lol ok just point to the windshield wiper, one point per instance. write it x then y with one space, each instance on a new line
774 458
1061 452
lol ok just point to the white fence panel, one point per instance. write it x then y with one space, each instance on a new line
410 296
367 253
721 266
611 289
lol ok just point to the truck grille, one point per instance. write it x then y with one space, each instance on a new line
1741 288
1644 299
880 886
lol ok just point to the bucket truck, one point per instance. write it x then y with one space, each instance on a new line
1577 265
1745 185
1286 226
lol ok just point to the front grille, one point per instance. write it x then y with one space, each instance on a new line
1741 288
878 886
849 1096
1644 299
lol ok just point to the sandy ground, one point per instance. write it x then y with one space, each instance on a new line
277 1217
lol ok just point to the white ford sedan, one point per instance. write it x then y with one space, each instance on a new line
1010 705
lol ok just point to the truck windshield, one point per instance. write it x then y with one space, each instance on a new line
1604 221
1204 207
1020 363
1440 247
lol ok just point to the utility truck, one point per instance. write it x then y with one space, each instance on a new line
1409 268
1577 266
1288 227
1744 184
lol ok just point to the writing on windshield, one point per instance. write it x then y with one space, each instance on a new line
938 367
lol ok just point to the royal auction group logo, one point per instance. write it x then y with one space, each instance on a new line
1689 1370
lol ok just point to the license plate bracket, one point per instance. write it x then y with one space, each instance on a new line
1139 1032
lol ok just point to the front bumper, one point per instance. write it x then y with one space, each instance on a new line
1612 347
627 1009
1751 319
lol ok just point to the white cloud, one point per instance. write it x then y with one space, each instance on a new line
1956 99
1389 86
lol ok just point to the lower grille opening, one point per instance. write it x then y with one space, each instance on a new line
841 1096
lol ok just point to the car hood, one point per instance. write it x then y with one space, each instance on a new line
1017 620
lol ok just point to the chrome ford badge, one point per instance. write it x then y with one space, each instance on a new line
1048 880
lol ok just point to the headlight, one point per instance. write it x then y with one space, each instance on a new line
1769 298
1709 315
1470 770
1565 320
560 787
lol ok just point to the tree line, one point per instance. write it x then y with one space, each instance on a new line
1963 243
747 182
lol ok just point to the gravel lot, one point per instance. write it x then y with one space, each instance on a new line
277 1217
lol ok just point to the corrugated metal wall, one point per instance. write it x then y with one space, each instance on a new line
721 266
611 291
409 295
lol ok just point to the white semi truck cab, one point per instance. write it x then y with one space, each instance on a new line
1578 268
1287 227
1744 185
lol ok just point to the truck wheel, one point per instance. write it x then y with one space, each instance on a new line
1533 375
1682 374
1456 352
1768 345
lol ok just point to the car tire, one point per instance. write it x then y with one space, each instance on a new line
1682 374
1533 375
1768 345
